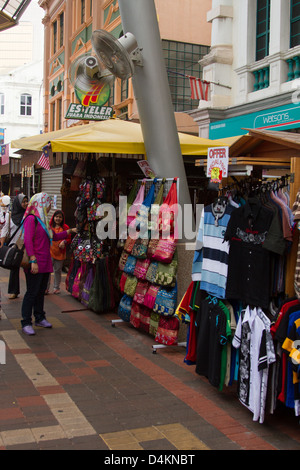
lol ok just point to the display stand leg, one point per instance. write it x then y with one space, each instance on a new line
113 322
160 346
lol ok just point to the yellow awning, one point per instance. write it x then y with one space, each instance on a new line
110 136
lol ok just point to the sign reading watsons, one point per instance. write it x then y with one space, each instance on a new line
89 113
217 163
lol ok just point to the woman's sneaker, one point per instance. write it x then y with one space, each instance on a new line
44 323
28 330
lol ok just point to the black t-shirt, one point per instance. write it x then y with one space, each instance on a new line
248 276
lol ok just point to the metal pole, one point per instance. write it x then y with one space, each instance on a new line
152 93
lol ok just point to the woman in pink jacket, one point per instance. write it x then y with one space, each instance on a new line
37 239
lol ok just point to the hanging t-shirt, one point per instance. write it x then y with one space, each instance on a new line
210 262
248 231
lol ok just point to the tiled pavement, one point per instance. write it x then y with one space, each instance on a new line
84 385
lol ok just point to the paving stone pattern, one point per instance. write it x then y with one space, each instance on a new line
84 385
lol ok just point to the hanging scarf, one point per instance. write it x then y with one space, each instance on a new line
38 205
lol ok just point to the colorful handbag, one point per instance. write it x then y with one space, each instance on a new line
154 321
165 250
167 331
154 212
135 318
152 247
135 207
129 244
139 249
85 294
150 296
166 272
166 301
129 267
123 279
151 272
124 308
145 315
140 291
141 268
168 211
123 259
130 286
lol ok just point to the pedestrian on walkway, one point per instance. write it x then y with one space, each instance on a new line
58 249
19 205
38 237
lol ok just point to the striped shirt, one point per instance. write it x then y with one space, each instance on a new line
210 264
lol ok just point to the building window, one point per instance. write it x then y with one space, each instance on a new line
262 29
182 61
295 23
25 105
54 37
61 30
1 103
82 11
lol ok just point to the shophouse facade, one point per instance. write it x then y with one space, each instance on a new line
253 67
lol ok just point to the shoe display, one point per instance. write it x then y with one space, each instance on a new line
28 330
56 291
44 323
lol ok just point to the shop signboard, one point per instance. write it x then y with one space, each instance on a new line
217 163
281 118
89 113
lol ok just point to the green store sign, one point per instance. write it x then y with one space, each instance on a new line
280 119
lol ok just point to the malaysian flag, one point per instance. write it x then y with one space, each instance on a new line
44 160
199 89
5 154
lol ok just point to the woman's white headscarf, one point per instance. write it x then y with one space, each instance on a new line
38 205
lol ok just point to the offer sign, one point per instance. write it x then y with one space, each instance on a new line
217 163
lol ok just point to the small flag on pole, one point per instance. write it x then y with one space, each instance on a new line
44 160
199 89
4 154
1 135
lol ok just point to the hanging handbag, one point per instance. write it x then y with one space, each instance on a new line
129 244
77 280
166 301
151 272
150 296
142 217
167 331
135 318
85 294
154 321
123 259
152 247
130 286
141 268
154 211
145 314
165 250
135 207
130 265
140 291
166 272
140 247
124 308
123 279
168 212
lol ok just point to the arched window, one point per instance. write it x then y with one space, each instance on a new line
262 29
26 105
1 103
295 23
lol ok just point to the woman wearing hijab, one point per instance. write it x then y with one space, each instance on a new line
38 237
19 205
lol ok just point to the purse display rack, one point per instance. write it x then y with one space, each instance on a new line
148 268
